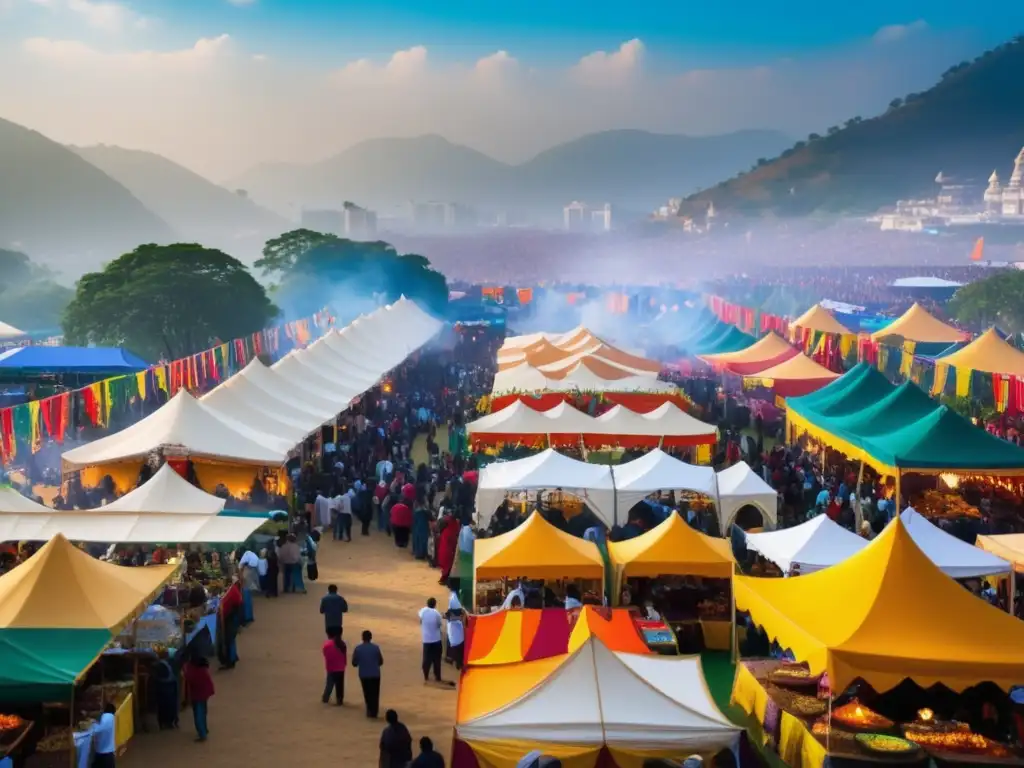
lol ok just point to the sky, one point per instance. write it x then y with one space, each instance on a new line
222 85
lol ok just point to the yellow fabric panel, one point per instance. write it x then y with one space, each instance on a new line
939 383
703 454
988 353
767 348
673 548
140 379
57 588
817 318
846 344
108 401
160 372
797 746
537 550
124 722
917 324
907 361
716 634
843 620
101 410
236 478
963 382
125 475
509 647
800 424
483 690
507 754
748 695
635 758
618 633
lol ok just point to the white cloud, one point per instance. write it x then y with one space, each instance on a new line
402 64
602 64
495 65
893 33
73 53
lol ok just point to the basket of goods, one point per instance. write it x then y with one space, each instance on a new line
793 676
823 730
953 737
807 706
857 716
883 744
59 740
10 723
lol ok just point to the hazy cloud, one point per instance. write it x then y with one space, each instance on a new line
893 33
220 108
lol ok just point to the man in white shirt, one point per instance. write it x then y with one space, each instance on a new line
103 741
322 510
341 507
430 631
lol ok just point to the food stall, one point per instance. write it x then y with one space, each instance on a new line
894 661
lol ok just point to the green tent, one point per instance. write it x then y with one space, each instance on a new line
858 388
728 339
904 405
44 664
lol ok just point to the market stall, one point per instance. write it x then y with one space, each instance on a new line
684 575
808 547
739 486
918 325
817 319
768 351
795 376
868 623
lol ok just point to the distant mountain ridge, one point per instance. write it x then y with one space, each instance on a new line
629 168
969 123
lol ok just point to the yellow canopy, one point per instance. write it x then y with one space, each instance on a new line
767 348
537 550
885 614
917 324
989 353
798 368
61 587
1009 546
817 318
673 548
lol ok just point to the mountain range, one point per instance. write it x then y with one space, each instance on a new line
967 125
628 168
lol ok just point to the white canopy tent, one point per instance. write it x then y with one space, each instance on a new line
740 486
12 502
181 427
813 545
956 558
294 367
598 697
525 378
336 367
657 471
238 398
520 419
281 390
667 420
339 354
166 492
546 471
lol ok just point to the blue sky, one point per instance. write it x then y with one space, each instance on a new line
298 80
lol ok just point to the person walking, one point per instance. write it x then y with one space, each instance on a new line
200 691
368 660
395 743
343 522
335 661
290 557
333 607
427 758
430 632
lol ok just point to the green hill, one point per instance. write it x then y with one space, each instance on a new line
969 123
56 206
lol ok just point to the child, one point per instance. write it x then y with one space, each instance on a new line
262 569
200 690
335 661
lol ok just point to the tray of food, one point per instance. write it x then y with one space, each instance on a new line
958 741
883 744
807 706
823 730
859 717
10 723
793 676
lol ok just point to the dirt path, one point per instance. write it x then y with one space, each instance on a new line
267 712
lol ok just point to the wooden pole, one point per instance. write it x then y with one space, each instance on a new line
897 499
858 512
1013 590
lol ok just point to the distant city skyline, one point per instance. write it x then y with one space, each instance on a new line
221 85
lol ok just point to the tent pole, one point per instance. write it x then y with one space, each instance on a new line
858 512
1013 590
732 618
897 499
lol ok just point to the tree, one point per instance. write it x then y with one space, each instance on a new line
813 137
895 103
167 301
833 130
996 300
353 276
282 252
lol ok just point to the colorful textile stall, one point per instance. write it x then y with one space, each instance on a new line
917 324
817 319
638 402
842 620
767 352
798 375
594 702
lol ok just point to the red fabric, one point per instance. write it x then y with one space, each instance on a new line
409 492
7 433
447 545
232 600
833 510
745 369
91 406
180 466
199 682
401 515
335 658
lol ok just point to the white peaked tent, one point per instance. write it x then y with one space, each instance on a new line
12 502
600 697
657 471
293 368
956 558
546 471
813 545
525 378
239 399
739 486
181 427
283 388
335 367
339 354
520 419
8 332
166 492
666 420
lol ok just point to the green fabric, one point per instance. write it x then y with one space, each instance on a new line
903 406
858 388
728 339
42 664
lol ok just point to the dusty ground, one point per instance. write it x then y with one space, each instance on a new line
267 711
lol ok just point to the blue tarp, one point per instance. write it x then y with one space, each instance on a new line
70 360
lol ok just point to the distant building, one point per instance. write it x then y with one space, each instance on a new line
359 223
1008 201
442 217
669 211
580 217
326 221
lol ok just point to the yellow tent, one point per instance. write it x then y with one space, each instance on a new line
767 348
989 353
800 375
917 324
673 548
62 587
885 614
537 550
1009 546
817 318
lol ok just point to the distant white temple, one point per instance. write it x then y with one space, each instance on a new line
1008 201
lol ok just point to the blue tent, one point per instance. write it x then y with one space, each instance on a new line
86 360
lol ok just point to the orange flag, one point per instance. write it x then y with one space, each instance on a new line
979 250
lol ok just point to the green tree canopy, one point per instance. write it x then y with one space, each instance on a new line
281 253
167 301
997 300
324 270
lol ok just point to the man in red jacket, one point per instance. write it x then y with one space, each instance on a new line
200 691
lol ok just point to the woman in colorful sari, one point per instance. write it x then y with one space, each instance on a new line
420 525
447 544
229 618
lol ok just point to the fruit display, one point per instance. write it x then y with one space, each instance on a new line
959 738
857 716
793 676
10 722
882 744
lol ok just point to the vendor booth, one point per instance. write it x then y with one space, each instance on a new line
808 547
796 376
768 351
739 486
